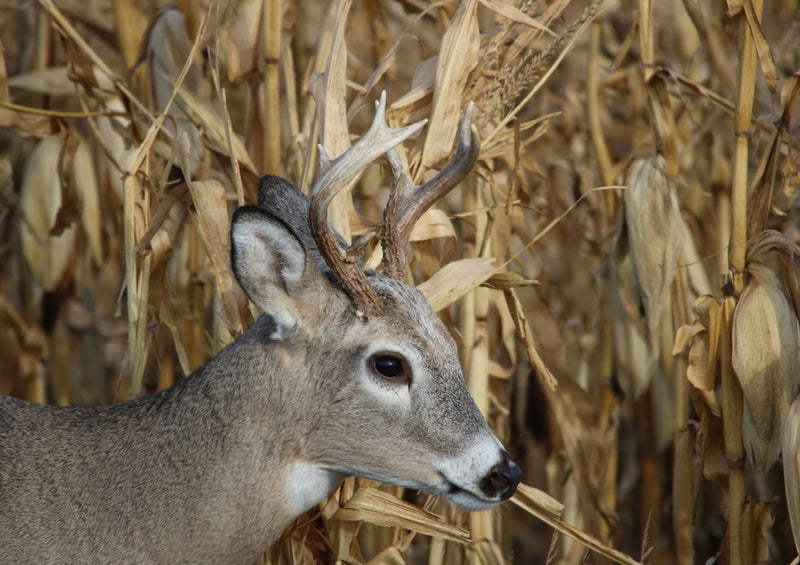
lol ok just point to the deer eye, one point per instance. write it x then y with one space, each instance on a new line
390 367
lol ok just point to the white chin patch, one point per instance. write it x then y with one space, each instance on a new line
469 501
307 485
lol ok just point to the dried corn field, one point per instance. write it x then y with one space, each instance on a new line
620 269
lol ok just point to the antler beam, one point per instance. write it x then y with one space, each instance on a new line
407 202
341 174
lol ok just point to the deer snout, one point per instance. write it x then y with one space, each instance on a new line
503 479
481 476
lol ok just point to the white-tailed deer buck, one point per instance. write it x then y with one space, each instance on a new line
347 372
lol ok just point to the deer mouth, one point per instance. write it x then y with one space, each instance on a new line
467 497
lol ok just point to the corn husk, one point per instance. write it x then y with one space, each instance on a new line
630 336
53 199
656 232
791 467
765 359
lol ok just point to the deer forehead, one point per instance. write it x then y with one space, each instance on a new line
407 312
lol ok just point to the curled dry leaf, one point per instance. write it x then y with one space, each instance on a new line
702 338
765 358
698 373
506 280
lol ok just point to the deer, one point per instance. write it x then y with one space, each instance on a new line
348 371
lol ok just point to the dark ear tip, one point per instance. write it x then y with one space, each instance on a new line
269 181
270 184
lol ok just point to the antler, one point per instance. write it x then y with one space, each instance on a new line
341 174
407 202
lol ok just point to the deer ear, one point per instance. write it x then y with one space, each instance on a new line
270 263
283 200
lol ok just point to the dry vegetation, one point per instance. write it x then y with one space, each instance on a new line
639 162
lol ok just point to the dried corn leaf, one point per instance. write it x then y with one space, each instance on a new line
432 224
161 251
332 105
548 510
167 52
131 27
766 338
505 280
758 520
79 192
455 280
761 45
698 360
457 57
211 206
526 334
384 509
684 336
330 94
389 556
514 14
527 496
760 198
214 129
26 123
52 81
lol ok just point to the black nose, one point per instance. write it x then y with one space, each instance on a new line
504 478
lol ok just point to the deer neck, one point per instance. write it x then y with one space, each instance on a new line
264 411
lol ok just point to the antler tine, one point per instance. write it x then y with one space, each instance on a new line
407 202
341 174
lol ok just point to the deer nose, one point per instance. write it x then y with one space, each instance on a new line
504 478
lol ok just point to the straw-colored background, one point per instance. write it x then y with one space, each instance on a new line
114 215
